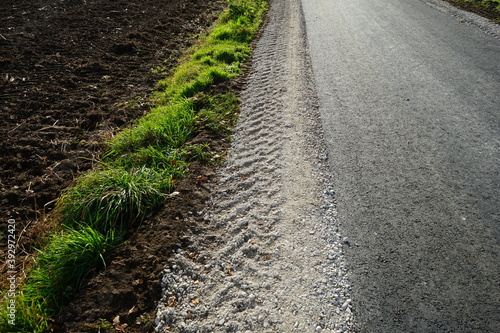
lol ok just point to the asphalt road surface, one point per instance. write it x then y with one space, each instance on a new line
410 100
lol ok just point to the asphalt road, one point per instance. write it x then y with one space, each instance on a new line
410 100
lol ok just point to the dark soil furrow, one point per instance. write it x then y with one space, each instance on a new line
71 73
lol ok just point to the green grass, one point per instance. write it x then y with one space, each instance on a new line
60 270
30 315
488 8
479 3
497 2
219 55
169 125
486 3
217 112
62 266
141 166
115 198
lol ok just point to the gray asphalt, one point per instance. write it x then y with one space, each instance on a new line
410 100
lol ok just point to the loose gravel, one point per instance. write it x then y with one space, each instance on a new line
267 255
480 22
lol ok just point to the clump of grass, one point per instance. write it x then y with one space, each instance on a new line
114 199
195 76
141 166
30 315
197 152
61 267
229 52
492 2
59 270
169 161
169 125
487 8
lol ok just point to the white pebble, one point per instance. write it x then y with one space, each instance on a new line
346 304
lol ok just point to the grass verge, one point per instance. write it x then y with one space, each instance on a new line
492 2
140 168
487 8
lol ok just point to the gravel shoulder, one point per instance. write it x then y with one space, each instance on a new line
473 19
267 255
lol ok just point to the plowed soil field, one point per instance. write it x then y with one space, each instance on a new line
72 72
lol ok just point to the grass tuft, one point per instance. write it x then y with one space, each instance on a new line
113 199
62 266
59 270
167 125
30 315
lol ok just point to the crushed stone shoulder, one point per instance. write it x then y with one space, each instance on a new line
268 255
473 19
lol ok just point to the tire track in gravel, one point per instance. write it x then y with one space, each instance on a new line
268 255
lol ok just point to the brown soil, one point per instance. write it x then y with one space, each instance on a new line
127 292
71 73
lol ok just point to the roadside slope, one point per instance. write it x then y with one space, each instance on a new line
267 256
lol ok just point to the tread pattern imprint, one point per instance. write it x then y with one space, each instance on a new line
268 256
